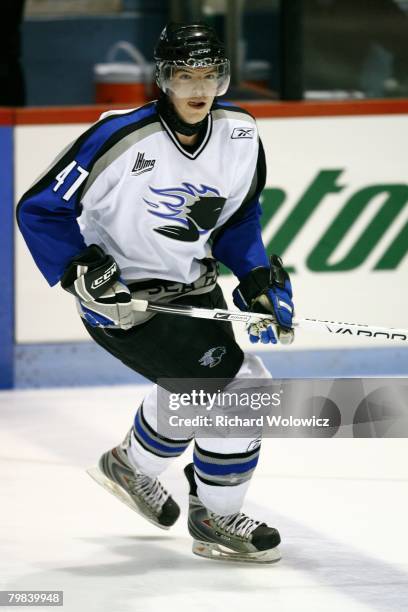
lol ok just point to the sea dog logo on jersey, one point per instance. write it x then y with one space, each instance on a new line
213 356
243 132
194 210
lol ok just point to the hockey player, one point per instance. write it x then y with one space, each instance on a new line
143 204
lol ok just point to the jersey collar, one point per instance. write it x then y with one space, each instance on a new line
184 150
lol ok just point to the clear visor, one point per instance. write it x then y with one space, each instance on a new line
186 81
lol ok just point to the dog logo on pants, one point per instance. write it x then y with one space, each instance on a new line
213 356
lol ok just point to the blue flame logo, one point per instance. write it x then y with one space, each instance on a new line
194 209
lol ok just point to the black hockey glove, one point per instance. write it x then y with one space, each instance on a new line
94 278
269 291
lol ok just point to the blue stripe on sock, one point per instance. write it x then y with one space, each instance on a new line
154 443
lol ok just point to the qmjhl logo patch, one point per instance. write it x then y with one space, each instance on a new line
142 164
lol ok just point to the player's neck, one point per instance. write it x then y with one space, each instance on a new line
187 140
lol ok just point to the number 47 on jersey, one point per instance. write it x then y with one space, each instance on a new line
60 178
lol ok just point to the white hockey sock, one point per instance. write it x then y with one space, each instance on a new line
149 451
224 466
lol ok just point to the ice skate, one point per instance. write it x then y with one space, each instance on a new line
143 494
235 537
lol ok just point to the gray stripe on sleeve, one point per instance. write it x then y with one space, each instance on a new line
224 113
118 149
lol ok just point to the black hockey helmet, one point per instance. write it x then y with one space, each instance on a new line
192 46
189 43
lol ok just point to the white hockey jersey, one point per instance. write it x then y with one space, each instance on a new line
158 208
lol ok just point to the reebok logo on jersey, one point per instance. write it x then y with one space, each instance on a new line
142 164
243 132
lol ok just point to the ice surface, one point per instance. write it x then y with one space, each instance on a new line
340 505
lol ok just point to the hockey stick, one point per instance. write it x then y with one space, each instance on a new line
313 325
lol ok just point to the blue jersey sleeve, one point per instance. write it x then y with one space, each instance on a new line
238 243
47 213
240 246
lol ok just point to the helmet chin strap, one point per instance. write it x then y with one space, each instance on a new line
175 123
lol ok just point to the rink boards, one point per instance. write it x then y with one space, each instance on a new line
335 207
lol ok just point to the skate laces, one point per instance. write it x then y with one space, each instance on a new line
151 490
238 524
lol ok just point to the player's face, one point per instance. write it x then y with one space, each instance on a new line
193 91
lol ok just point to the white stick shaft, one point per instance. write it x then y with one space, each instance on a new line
314 325
353 329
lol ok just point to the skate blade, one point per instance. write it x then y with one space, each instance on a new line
210 550
96 474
